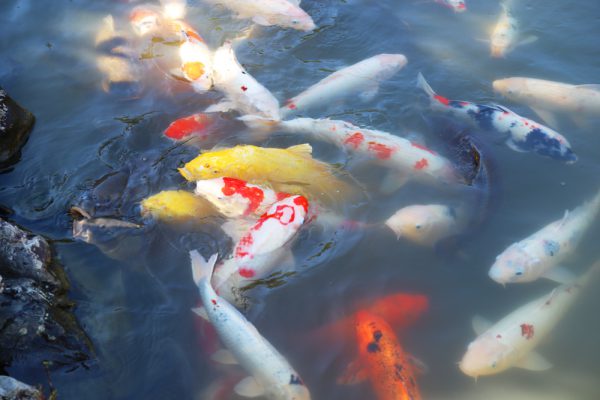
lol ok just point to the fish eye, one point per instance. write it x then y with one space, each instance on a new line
418 226
519 273
494 364
295 21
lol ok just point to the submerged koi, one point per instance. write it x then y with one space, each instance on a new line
524 135
455 5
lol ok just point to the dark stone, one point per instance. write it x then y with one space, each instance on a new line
12 389
15 126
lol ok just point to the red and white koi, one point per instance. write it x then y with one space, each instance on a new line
145 19
270 373
283 13
242 91
196 59
541 254
511 342
237 198
363 77
455 5
524 135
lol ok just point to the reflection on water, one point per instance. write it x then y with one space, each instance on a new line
105 152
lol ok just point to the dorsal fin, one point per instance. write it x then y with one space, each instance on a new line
304 150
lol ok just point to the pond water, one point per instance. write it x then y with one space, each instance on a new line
136 309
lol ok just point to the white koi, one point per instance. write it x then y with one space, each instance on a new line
270 373
546 97
284 13
236 198
511 342
425 224
196 59
524 135
242 91
540 254
363 77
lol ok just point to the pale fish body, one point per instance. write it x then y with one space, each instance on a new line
284 13
455 5
524 135
362 78
505 34
541 253
547 96
242 91
425 224
271 374
196 59
237 198
291 170
406 159
510 342
174 9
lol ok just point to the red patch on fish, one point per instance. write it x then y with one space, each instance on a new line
420 146
301 201
242 247
244 88
355 140
382 151
442 99
421 164
527 331
184 127
214 302
282 195
254 195
247 272
193 34
291 105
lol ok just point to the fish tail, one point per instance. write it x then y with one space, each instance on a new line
422 83
201 268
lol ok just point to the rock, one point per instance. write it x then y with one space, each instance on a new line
25 255
12 389
15 126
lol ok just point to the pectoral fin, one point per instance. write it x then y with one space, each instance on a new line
223 106
201 312
560 275
514 146
261 20
393 181
225 357
546 116
354 373
418 365
528 40
369 94
534 362
249 387
480 324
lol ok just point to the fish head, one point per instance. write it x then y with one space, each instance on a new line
214 164
458 5
400 309
174 205
221 193
196 65
370 331
415 223
513 266
144 20
199 124
294 17
486 355
511 88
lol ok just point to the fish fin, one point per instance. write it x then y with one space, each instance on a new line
223 106
418 365
201 268
237 228
225 357
480 324
393 181
261 20
534 362
416 138
564 220
369 94
177 73
591 86
528 40
560 275
354 373
422 83
249 387
304 150
201 312
547 116
514 146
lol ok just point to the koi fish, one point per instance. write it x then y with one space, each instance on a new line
524 134
382 361
291 170
546 97
176 206
425 224
400 310
196 60
145 19
284 13
511 342
540 254
363 77
242 91
505 36
237 198
201 125
264 242
457 6
407 159
270 373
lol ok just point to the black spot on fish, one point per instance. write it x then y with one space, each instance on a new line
539 142
513 124
295 380
484 116
377 335
398 371
551 247
373 347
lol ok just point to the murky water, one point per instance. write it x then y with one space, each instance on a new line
136 312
